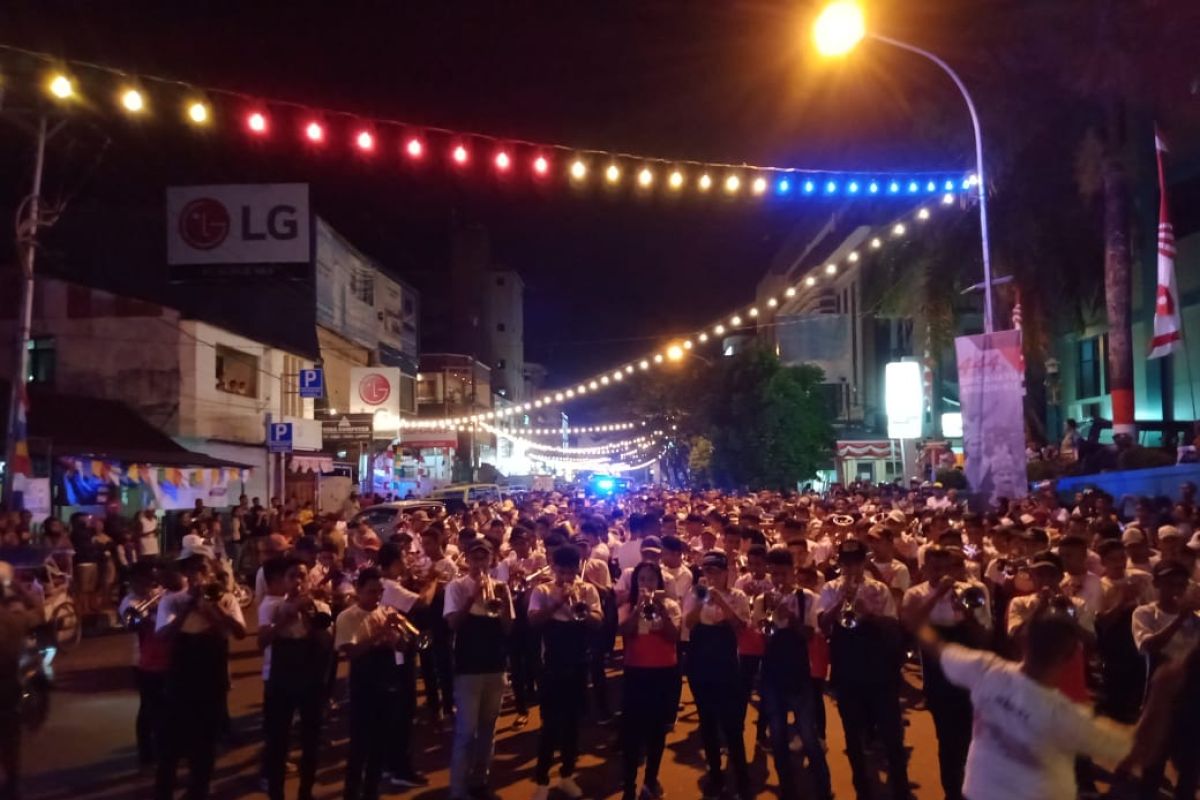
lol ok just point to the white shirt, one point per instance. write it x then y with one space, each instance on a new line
629 554
1086 587
597 573
460 591
790 602
1020 611
751 585
1151 619
545 595
674 613
894 574
355 625
398 596
526 566
1111 591
876 597
175 603
148 535
712 614
267 610
1026 735
944 611
678 582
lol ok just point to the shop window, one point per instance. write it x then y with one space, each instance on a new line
237 372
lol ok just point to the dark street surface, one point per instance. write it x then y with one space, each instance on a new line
86 749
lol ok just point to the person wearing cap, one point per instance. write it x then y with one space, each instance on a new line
1046 572
480 614
858 614
1171 542
883 564
787 682
436 569
713 671
650 623
1122 667
1169 627
1137 548
401 599
1077 580
197 622
564 611
934 602
596 572
521 570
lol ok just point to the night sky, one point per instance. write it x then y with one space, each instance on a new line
608 275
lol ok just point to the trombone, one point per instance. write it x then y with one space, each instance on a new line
140 611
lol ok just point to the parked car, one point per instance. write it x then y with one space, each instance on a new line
386 517
458 496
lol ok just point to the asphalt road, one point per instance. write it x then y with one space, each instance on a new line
86 749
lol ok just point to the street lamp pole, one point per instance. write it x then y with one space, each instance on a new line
988 320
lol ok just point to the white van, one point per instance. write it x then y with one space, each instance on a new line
458 496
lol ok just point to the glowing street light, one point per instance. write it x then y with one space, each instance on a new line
838 29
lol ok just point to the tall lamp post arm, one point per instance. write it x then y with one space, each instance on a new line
988 324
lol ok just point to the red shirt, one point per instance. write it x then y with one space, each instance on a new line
154 651
750 642
649 650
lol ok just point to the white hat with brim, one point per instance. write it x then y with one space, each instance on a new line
196 550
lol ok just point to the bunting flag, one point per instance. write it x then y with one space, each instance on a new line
22 465
1167 336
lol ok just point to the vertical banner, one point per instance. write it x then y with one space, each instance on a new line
991 388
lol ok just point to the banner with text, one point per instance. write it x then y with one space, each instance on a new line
991 388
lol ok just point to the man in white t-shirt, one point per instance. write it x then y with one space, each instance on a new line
1027 734
1168 628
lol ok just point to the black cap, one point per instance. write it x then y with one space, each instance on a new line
1046 558
652 543
714 558
479 544
852 550
673 543
1165 569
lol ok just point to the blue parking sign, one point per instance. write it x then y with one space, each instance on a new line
279 437
312 383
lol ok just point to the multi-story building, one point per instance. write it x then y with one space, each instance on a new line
504 332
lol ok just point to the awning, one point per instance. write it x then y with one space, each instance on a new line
868 448
93 428
322 465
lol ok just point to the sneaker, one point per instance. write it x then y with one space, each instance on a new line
541 793
570 788
408 780
520 722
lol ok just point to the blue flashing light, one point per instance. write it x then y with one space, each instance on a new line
949 186
873 188
853 187
913 187
831 187
808 187
893 187
784 186
966 184
605 484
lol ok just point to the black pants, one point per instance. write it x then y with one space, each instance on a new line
524 658
647 709
681 653
749 666
564 693
722 708
867 706
151 688
10 747
952 722
192 725
402 710
280 705
436 669
818 688
371 714
1185 755
596 661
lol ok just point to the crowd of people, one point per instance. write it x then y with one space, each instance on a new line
1043 632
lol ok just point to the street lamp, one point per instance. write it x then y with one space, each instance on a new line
838 30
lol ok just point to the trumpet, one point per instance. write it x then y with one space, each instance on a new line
409 634
1061 604
520 584
493 606
969 597
649 609
139 612
579 607
766 625
701 592
848 616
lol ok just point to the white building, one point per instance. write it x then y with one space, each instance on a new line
504 332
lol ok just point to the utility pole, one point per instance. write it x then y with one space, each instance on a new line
27 232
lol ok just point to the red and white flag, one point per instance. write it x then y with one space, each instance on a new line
1167 335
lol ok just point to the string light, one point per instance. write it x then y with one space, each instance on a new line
732 184
257 122
578 170
759 186
414 148
503 162
540 165
459 154
61 87
314 132
705 182
831 269
132 101
810 281
676 180
198 112
612 174
365 141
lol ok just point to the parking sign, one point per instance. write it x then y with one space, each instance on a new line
279 438
312 383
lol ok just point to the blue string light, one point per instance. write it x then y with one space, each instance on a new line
853 187
830 187
784 186
809 186
893 187
873 188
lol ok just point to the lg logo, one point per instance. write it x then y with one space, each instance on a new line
374 389
205 223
